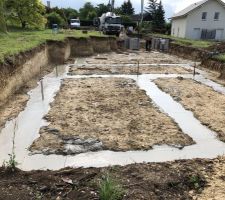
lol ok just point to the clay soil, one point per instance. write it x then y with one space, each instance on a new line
206 104
111 110
163 181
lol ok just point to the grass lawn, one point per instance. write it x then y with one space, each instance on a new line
17 41
188 42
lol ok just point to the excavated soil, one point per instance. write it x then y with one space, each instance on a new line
133 57
215 182
105 113
206 104
105 70
213 75
161 181
17 102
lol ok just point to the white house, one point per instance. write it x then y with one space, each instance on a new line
201 20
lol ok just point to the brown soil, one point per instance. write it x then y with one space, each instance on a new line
13 107
17 102
215 183
206 104
213 75
127 70
142 57
111 110
163 181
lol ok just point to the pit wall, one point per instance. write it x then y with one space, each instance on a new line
187 52
199 55
18 70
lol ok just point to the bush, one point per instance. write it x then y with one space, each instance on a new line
55 18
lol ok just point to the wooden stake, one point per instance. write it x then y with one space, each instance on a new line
42 90
138 68
194 69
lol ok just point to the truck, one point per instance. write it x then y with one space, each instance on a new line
74 23
110 23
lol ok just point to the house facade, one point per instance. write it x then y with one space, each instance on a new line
202 20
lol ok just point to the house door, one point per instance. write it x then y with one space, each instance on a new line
196 33
219 34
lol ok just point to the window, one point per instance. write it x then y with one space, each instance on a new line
216 16
204 16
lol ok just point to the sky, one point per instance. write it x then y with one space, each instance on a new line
170 6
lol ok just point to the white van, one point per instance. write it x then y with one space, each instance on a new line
75 24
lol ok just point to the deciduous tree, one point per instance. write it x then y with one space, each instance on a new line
102 8
84 12
26 12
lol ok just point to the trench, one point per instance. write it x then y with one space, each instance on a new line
26 127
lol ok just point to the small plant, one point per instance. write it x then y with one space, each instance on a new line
195 181
110 189
12 163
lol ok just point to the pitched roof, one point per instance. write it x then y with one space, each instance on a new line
192 7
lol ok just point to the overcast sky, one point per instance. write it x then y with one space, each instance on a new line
171 6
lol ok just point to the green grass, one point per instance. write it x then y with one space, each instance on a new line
109 189
19 41
220 57
188 42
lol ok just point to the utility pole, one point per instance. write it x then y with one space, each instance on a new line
142 10
113 3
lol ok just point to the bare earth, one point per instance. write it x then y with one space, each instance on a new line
214 189
206 104
178 180
213 75
12 108
142 57
106 70
105 113
17 102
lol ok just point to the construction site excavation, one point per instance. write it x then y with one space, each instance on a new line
152 120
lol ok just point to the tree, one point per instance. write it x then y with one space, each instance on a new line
2 17
159 21
91 15
127 8
55 18
156 14
26 12
84 12
102 8
70 13
118 11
